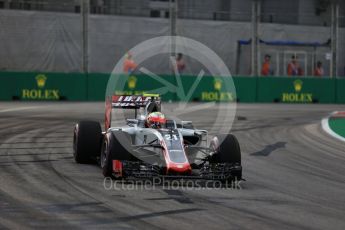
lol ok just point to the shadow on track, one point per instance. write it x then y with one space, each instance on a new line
269 149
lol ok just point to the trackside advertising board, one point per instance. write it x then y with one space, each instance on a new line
296 90
92 87
340 89
126 85
42 86
207 88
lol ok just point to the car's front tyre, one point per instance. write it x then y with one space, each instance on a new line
227 150
116 146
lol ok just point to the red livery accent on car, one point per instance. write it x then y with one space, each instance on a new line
117 168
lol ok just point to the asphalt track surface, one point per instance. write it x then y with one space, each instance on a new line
294 171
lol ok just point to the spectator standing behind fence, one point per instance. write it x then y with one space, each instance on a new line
179 63
129 64
294 69
266 69
318 71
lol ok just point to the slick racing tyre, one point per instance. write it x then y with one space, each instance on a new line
116 146
227 149
86 141
153 107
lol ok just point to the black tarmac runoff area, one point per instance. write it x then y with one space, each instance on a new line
294 171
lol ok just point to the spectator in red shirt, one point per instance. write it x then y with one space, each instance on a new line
294 69
180 65
318 71
129 65
266 66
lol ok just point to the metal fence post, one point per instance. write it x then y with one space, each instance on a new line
85 9
255 37
173 19
334 38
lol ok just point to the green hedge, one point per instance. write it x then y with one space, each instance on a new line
92 87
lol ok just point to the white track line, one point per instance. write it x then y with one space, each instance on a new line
19 109
327 129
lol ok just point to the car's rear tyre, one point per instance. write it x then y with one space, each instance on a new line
106 159
116 146
86 141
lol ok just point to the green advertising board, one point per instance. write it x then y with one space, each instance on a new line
296 90
206 88
42 86
340 89
246 89
92 87
193 88
134 84
96 85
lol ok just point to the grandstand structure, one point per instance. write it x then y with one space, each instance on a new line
302 12
210 21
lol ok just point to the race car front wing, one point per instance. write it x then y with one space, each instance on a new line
207 171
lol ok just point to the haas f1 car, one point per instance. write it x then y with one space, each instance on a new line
149 145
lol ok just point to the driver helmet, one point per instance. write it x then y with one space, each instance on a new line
155 120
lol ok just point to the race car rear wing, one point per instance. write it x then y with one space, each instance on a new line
147 101
134 101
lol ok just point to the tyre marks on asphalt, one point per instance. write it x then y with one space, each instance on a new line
287 184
